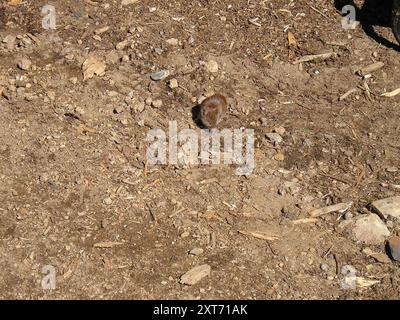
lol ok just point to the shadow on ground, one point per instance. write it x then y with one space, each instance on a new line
373 13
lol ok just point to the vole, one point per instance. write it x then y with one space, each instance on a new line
212 110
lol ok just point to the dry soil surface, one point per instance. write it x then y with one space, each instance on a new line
77 194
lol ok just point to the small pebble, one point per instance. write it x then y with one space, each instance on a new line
157 103
324 266
122 45
279 130
173 83
348 216
107 201
196 251
263 121
159 75
172 42
279 157
185 234
118 109
348 270
25 64
51 95
73 80
212 66
274 137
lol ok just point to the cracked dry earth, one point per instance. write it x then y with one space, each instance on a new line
75 190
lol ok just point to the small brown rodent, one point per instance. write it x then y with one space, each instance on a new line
212 110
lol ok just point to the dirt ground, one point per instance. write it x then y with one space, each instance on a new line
75 190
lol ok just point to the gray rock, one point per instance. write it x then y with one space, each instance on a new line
348 269
324 267
274 137
370 230
159 75
25 64
389 207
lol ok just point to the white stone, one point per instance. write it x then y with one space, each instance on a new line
173 83
389 207
172 42
370 229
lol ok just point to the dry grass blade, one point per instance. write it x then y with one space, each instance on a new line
370 68
365 282
391 93
259 235
339 207
305 220
107 244
322 56
348 93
